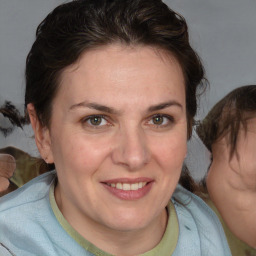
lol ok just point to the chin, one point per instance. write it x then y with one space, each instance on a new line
129 221
128 226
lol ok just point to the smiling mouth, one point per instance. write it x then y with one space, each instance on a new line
127 186
129 189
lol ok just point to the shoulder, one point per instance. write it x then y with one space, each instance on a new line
198 224
31 192
26 219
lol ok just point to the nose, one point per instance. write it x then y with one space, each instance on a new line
131 149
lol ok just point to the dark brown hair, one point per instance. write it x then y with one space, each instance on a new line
227 117
9 111
81 25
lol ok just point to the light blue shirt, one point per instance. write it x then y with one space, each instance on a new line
28 226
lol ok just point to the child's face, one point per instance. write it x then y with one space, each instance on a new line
118 137
240 169
243 161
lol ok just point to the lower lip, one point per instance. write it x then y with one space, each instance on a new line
129 194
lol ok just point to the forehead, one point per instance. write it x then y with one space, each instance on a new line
124 73
250 122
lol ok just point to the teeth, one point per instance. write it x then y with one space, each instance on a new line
127 186
135 186
119 186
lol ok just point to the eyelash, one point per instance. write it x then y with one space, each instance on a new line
88 118
170 120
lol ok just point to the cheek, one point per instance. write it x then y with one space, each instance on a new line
245 161
82 153
170 152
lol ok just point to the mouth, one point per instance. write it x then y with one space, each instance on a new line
128 186
127 189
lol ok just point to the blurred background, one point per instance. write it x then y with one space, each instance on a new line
223 32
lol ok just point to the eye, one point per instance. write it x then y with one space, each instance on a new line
95 121
158 120
161 120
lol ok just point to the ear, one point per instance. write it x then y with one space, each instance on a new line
42 135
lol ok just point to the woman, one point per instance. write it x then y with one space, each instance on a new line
111 96
229 132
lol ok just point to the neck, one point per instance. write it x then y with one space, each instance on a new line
235 202
113 241
125 243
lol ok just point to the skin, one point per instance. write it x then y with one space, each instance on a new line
7 168
232 183
141 136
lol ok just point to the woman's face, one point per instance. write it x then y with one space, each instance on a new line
118 137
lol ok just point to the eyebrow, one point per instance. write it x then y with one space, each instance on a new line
109 110
164 105
95 106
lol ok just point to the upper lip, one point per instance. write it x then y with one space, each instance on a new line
128 180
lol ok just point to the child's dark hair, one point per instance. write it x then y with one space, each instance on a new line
227 116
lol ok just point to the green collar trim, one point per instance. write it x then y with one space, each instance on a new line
166 246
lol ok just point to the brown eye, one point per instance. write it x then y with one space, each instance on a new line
161 120
95 120
158 120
